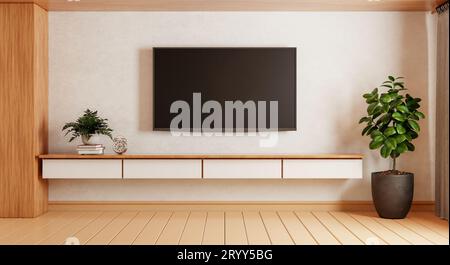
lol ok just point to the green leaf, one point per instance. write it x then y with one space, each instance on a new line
365 130
393 91
390 143
371 130
401 148
414 125
408 137
377 112
389 131
379 138
378 109
375 133
419 115
367 95
371 108
374 91
399 138
413 117
364 119
386 85
385 151
385 107
413 134
410 146
412 104
391 78
372 99
386 98
395 103
375 145
384 119
400 128
403 108
400 84
398 116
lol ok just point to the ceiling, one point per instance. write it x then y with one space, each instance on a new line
234 5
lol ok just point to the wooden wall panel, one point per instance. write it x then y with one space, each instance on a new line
40 134
23 109
235 5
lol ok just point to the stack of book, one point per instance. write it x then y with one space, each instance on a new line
90 149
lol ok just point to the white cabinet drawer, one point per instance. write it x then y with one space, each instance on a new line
162 169
242 169
82 169
322 168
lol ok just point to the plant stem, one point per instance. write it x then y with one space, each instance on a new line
394 163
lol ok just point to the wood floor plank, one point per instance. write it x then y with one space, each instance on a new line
59 237
235 233
424 231
432 222
132 230
214 233
364 234
151 232
231 227
5 223
256 231
88 232
10 225
174 229
275 228
339 231
193 232
112 229
298 232
317 230
27 226
35 236
381 231
403 231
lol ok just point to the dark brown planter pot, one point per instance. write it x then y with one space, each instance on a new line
392 193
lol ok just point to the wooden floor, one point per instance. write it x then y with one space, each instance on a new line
231 227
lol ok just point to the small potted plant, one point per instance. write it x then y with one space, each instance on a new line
392 124
87 126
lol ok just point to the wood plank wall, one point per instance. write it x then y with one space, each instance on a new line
23 108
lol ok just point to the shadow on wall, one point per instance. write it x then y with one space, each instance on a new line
416 70
145 94
348 137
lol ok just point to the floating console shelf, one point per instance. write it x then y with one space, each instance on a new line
197 166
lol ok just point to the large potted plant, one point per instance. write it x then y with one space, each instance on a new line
87 126
392 124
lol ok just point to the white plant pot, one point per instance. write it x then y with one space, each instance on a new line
93 139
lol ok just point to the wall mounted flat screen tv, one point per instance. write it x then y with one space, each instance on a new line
233 75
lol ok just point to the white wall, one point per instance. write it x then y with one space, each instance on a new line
103 61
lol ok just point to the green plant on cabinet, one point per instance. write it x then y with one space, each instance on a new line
88 125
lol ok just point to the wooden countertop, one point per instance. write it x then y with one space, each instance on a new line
203 156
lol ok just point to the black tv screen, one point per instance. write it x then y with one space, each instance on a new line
225 75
